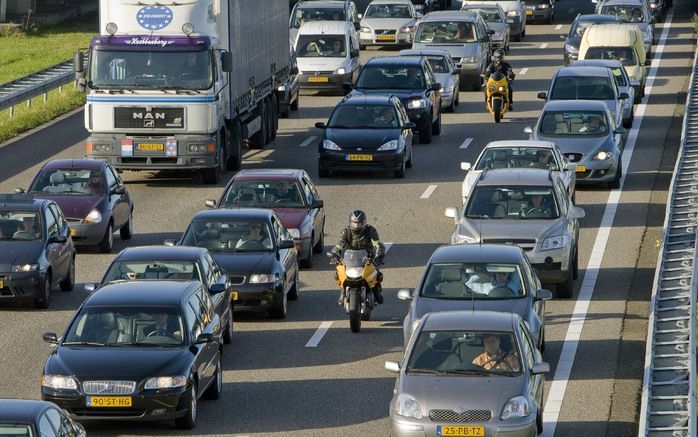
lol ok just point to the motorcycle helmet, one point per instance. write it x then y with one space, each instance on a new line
498 56
357 222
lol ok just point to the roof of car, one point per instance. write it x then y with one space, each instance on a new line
21 201
451 15
321 4
515 176
606 63
597 17
367 99
477 253
480 5
21 410
470 321
572 105
582 71
324 28
268 173
622 3
75 163
170 253
394 61
226 213
424 52
391 2
142 293
520 143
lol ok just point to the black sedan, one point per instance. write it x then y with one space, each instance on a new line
574 38
412 80
25 418
138 351
36 250
256 251
366 133
164 263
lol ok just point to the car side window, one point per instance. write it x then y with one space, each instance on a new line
612 120
60 423
45 427
51 223
280 232
59 216
112 182
527 346
403 114
562 194
313 190
308 193
191 317
205 307
213 275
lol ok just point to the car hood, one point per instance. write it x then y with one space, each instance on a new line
634 72
19 252
127 363
423 305
365 138
387 23
445 79
455 50
74 207
239 263
291 217
577 143
510 229
320 64
497 26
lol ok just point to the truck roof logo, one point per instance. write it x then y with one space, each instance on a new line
154 17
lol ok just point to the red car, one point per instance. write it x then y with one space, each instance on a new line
291 194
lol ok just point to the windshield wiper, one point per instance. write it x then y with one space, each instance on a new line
424 371
82 343
139 344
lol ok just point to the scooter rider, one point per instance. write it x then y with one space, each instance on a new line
498 65
361 236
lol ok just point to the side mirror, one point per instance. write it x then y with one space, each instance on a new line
170 242
320 125
204 337
317 204
457 70
347 87
528 130
227 58
544 294
490 32
571 167
620 131
404 294
648 62
218 288
452 213
357 25
210 203
435 86
540 368
576 213
409 125
543 95
58 239
485 38
89 288
624 96
50 337
563 36
19 190
119 189
392 366
465 166
287 244
355 53
78 63
294 70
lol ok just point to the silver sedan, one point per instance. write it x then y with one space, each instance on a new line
445 72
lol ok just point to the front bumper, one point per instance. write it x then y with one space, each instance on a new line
255 297
515 25
88 234
552 266
469 72
397 38
21 285
320 81
419 116
570 57
124 153
539 14
303 247
524 427
597 171
337 160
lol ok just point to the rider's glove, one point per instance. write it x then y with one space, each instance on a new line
378 260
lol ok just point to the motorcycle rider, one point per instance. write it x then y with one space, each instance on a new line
359 235
498 65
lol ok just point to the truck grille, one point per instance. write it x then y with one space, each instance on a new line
108 387
156 118
465 416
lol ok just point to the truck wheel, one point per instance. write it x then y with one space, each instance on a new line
235 156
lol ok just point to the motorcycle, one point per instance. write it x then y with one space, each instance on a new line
356 275
497 94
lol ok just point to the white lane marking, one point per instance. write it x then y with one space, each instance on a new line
465 143
523 71
544 45
387 246
428 192
558 387
319 333
307 142
558 27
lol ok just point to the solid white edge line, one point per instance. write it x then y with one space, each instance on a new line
558 387
544 45
428 192
523 71
307 142
319 333
465 143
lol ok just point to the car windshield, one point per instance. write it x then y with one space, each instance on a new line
445 32
304 15
14 430
517 157
590 123
388 11
625 13
229 235
471 353
126 326
625 55
321 46
512 203
438 64
20 225
263 194
466 281
158 270
578 27
68 182
400 78
487 14
582 88
363 117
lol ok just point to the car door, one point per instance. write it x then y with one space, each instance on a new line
194 321
209 323
538 305
214 275
317 215
535 382
66 249
618 139
54 249
118 199
433 96
287 257
484 42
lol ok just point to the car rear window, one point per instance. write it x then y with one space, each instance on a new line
592 123
625 55
466 281
582 88
446 32
391 77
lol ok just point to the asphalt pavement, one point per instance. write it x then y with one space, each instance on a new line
274 384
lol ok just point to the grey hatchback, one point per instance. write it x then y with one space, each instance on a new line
474 373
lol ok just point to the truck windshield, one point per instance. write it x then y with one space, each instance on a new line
151 70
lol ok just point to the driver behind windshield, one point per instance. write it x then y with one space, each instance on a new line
163 326
494 357
255 235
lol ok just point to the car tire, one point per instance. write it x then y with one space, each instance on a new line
323 172
320 245
293 292
400 173
575 265
68 283
228 333
42 302
307 262
235 156
615 183
425 135
408 164
436 126
107 243
214 391
456 98
214 174
126 230
539 422
295 103
566 289
258 140
630 121
278 306
274 116
188 421
541 347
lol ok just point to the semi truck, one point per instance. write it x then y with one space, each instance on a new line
184 84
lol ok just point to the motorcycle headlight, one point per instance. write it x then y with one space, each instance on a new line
416 104
603 155
462 239
407 29
355 272
501 89
165 382
551 243
329 145
262 278
407 406
59 382
569 48
513 14
340 70
516 407
390 145
25 267
295 233
365 29
93 217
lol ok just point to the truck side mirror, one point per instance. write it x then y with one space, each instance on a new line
78 62
227 59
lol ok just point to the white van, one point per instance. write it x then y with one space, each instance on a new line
327 53
622 42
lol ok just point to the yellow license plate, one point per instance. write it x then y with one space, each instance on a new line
234 295
351 157
318 79
72 232
151 147
461 431
2 283
581 168
385 38
109 401
529 12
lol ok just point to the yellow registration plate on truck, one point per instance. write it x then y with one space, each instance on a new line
351 157
581 168
109 401
150 147
318 79
461 431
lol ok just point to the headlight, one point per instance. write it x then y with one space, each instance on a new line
59 382
653 5
462 239
516 407
513 14
569 48
543 6
407 406
601 156
93 217
416 104
104 147
329 145
501 89
390 145
281 88
340 70
468 59
165 382
365 29
355 272
25 268
407 29
553 243
197 148
259 278
295 233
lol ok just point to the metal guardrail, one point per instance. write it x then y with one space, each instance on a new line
35 84
669 385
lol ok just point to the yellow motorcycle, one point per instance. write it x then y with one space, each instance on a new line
497 94
356 276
